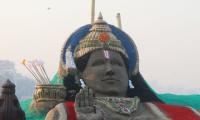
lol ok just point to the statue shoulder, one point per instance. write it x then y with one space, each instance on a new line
57 113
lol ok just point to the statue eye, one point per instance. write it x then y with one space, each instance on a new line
115 62
98 62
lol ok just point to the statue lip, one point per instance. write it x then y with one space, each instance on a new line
110 79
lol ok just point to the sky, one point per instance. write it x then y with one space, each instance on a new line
166 33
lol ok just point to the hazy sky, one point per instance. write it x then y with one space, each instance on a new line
166 32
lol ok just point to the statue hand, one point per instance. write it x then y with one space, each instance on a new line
85 106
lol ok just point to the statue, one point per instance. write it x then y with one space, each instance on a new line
106 60
9 105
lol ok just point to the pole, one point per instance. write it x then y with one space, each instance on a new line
119 21
93 12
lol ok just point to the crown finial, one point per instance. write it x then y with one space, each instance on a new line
100 16
99 21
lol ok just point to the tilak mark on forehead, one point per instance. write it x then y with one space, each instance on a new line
106 54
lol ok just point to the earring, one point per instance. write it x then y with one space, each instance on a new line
82 83
130 84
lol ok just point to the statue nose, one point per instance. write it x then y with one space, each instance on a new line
109 69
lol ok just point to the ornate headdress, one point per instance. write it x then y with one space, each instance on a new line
99 37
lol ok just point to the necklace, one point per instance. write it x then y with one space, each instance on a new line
120 105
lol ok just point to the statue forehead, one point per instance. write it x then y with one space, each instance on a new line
105 54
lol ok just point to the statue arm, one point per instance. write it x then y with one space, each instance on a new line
57 113
52 114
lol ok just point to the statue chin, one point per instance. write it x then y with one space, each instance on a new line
109 93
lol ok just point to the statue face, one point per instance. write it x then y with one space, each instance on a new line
106 76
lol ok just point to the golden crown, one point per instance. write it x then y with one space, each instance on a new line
99 37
